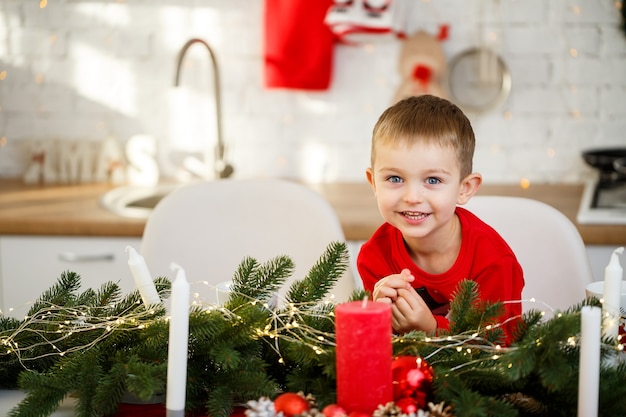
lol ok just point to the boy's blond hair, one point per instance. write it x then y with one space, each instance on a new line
429 119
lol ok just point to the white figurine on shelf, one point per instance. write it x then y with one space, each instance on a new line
110 162
41 163
141 154
75 161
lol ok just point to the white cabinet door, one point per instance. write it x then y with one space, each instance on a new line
29 265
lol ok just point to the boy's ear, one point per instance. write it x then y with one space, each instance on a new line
469 187
370 178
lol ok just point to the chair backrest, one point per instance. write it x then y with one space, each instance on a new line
209 227
547 245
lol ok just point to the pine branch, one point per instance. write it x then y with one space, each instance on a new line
254 281
220 402
469 313
309 380
86 376
464 298
612 390
359 294
45 391
468 402
111 389
322 276
529 320
42 401
142 378
61 293
108 294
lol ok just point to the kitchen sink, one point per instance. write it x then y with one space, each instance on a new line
135 201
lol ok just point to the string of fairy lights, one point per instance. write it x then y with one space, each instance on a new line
53 325
286 324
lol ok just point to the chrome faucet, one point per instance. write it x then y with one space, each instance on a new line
222 169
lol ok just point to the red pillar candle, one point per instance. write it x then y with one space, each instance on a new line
364 355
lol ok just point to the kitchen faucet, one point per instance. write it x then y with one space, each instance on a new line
221 168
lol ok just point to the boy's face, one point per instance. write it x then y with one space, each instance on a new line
418 186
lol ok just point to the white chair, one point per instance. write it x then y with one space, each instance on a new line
547 245
209 227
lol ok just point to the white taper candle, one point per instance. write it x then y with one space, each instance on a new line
177 349
141 275
589 362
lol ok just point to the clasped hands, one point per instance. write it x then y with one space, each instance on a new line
408 310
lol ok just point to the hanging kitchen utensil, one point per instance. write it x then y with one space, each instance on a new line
478 80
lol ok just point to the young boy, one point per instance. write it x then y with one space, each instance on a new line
421 169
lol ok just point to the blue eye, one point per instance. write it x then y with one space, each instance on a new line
394 179
432 181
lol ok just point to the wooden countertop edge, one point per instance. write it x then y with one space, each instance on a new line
75 210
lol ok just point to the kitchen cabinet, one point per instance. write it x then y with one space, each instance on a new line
30 264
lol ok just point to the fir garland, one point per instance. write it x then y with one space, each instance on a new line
98 346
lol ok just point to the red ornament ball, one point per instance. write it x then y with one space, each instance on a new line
291 404
412 379
333 410
408 405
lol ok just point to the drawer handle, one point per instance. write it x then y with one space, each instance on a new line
75 258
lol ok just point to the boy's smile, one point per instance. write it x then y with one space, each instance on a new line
414 215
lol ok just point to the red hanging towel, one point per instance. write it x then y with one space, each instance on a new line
298 44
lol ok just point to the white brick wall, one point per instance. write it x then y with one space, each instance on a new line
84 70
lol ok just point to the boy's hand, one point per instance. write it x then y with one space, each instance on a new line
410 312
386 290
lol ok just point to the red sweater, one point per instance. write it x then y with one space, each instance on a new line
484 257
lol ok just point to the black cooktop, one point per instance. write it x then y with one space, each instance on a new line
610 192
